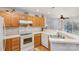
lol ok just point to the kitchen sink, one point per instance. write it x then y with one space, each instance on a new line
60 37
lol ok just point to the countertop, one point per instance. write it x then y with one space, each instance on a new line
75 41
52 32
11 36
59 40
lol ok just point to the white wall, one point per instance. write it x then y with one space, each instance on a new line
71 12
66 11
52 23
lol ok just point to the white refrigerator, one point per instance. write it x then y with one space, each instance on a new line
1 33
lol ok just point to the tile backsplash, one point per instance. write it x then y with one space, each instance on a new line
29 29
11 31
36 29
15 31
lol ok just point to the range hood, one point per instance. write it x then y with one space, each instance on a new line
25 22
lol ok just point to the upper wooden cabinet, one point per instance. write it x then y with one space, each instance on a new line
41 22
7 18
37 21
23 17
15 20
10 19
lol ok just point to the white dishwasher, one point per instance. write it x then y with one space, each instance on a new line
44 40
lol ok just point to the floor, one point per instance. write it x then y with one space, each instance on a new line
40 48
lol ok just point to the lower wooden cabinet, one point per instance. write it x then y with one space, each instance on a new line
12 44
37 40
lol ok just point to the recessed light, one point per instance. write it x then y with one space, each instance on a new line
37 10
48 12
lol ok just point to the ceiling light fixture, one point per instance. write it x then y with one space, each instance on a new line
37 10
48 12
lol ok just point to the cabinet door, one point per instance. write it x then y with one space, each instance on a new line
8 46
35 22
29 17
23 17
16 44
12 44
37 40
7 20
44 40
15 20
15 41
33 19
42 22
38 22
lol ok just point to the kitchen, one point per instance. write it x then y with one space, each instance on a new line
39 29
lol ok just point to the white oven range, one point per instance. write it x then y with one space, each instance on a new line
27 42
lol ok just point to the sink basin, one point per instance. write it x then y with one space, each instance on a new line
61 37
55 36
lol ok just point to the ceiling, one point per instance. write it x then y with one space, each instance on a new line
53 12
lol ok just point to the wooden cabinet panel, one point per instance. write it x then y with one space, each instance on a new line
41 22
12 44
7 20
37 40
15 17
15 41
38 21
23 17
29 17
8 46
34 20
10 19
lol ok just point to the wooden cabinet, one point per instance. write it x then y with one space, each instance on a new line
7 20
6 17
37 40
23 17
41 22
37 21
10 19
29 17
15 20
12 44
